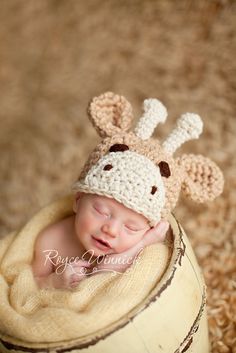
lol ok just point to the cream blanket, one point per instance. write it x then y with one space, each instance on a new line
33 315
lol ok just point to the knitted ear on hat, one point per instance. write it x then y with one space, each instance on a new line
110 114
203 180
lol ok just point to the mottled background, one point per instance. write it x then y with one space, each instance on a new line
57 54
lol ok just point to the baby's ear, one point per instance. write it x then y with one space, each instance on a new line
110 114
202 180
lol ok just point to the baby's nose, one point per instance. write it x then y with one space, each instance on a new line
111 228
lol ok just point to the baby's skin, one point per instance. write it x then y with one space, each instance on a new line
102 235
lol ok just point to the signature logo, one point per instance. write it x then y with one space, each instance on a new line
113 262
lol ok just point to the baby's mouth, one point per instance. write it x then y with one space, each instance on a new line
102 242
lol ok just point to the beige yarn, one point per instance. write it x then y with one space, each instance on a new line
200 170
110 113
198 177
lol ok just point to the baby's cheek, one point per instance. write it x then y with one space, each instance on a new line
85 222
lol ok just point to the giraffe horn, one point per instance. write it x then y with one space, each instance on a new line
189 127
154 112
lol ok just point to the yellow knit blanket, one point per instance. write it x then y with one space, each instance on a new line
33 315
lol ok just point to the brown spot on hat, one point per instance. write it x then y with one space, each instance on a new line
154 189
119 147
108 167
164 169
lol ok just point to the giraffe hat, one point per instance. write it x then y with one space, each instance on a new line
139 171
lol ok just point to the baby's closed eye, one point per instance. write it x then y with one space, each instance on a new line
133 228
102 211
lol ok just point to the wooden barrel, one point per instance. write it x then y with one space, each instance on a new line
171 319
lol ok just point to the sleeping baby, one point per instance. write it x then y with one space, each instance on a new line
102 234
125 192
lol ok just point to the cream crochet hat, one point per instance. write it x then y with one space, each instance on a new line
137 170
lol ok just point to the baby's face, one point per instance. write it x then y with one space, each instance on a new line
105 226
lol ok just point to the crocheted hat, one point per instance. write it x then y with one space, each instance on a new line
139 171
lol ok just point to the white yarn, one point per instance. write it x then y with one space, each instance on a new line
154 112
129 181
189 126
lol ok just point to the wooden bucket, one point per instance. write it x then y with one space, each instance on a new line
171 319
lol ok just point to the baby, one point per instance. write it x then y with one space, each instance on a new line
128 185
102 233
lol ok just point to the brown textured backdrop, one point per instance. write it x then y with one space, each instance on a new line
57 54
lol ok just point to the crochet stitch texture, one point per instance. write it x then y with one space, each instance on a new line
139 171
